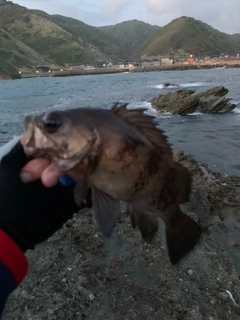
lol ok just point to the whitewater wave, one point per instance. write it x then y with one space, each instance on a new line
144 105
236 110
197 113
162 86
235 101
194 84
183 85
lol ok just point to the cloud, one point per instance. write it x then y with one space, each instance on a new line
222 15
117 6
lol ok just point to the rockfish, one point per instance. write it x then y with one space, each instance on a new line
122 156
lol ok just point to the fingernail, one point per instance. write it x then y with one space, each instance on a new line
25 177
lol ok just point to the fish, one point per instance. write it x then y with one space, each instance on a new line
121 155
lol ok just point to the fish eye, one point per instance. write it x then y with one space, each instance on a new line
52 122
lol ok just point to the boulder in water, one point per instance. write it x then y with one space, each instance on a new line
168 84
179 102
183 102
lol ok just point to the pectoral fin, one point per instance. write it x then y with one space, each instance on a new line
107 211
80 191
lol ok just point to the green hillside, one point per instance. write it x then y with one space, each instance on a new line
187 35
92 37
32 37
44 36
15 56
131 36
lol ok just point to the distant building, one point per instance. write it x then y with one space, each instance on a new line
166 61
191 59
43 69
152 63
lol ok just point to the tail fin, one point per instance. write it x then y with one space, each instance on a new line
182 233
146 222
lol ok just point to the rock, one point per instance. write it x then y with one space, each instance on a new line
123 278
183 102
168 84
218 91
223 296
178 102
177 153
213 104
190 272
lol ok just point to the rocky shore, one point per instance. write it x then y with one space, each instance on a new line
183 101
183 67
77 274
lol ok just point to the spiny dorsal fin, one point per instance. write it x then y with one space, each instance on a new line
145 124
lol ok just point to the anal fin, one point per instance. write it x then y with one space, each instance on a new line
107 211
182 233
146 222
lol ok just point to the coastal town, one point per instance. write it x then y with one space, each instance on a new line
162 63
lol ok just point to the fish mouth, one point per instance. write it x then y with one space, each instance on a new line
36 144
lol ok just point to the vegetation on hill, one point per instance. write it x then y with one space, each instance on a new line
187 35
131 36
15 56
44 36
32 37
92 37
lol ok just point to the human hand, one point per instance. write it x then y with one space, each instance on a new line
32 212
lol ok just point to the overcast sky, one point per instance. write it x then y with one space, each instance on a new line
221 14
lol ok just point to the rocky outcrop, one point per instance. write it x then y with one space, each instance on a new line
183 102
78 274
168 84
179 102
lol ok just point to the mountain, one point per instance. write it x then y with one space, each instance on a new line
189 36
15 56
236 41
44 36
131 36
32 37
103 46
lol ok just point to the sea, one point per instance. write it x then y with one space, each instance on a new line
212 139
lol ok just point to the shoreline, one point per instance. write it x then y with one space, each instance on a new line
80 271
185 67
71 73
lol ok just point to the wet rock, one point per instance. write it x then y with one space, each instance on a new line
223 296
108 279
183 102
218 91
168 84
177 153
179 102
213 104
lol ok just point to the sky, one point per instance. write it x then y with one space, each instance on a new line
220 14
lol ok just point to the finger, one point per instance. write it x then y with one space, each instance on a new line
50 176
33 170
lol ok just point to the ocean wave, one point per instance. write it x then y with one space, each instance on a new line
197 113
183 85
150 110
144 105
236 110
193 84
162 86
235 101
